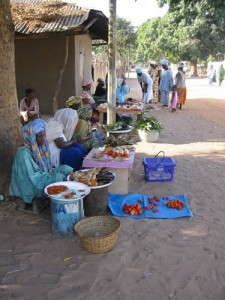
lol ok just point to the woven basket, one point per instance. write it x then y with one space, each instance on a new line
98 234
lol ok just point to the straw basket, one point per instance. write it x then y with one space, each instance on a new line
98 234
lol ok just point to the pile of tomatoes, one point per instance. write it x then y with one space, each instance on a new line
177 204
133 209
137 209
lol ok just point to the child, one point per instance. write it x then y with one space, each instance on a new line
174 98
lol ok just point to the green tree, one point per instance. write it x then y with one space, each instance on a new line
126 43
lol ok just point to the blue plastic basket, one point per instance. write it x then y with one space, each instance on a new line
158 169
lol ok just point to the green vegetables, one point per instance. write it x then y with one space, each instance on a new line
149 124
116 126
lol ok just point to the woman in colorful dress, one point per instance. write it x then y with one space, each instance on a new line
86 93
180 83
32 169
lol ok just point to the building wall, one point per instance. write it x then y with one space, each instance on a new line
83 60
38 63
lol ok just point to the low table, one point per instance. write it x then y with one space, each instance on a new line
122 170
119 110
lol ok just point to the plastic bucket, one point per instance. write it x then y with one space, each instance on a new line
148 136
65 214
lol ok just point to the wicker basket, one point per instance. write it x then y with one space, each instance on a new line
98 234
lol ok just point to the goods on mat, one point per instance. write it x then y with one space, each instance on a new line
117 151
133 209
56 189
92 177
177 204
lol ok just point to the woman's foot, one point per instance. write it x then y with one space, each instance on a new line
173 109
180 106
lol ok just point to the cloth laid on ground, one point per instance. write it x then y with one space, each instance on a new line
117 201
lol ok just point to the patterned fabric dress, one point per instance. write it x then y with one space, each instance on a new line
155 75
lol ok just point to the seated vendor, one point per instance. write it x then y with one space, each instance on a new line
122 90
86 93
64 149
100 91
84 128
29 107
32 170
74 102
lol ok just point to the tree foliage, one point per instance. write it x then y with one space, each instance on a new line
191 30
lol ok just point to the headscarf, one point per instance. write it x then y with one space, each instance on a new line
85 82
119 81
101 81
138 70
62 124
73 100
41 154
164 62
85 112
180 65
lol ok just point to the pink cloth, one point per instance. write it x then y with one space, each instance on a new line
86 97
34 106
174 100
89 162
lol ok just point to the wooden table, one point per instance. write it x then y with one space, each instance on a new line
119 110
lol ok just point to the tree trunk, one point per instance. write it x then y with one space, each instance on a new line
194 71
111 111
9 113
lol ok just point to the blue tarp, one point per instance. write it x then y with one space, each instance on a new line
117 201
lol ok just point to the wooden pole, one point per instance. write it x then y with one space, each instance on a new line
111 111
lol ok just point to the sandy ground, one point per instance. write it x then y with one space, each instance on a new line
155 259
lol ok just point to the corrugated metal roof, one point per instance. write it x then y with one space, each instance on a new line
69 17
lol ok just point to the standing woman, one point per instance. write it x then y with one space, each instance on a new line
29 107
180 83
154 72
166 82
146 85
59 131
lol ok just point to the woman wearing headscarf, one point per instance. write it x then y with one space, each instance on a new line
122 90
154 71
146 85
86 93
63 148
166 83
32 169
84 129
74 102
180 84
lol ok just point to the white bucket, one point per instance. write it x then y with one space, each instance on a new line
148 136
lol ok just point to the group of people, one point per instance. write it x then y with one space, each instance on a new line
122 89
212 74
53 149
157 85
